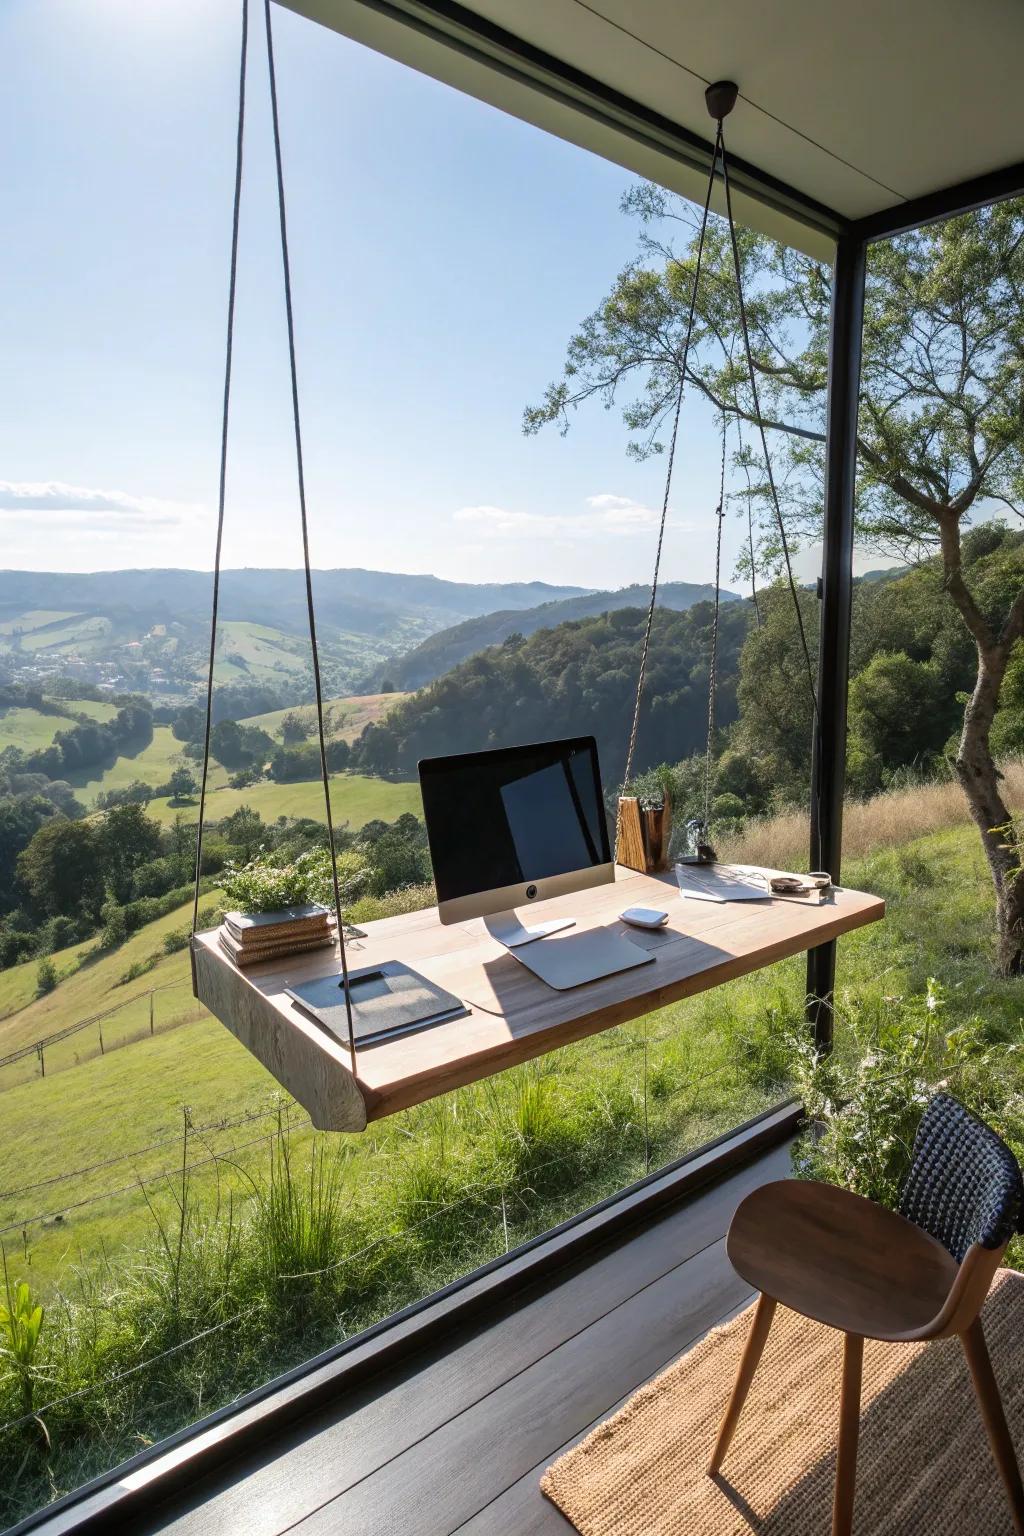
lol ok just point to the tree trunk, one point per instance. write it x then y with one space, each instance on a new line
979 777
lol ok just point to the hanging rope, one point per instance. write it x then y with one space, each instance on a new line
300 472
317 684
631 751
228 352
713 670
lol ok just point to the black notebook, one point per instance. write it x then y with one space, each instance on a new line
387 1000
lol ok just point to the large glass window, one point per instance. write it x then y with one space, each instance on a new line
183 1230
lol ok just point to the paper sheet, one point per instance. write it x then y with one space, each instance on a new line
720 882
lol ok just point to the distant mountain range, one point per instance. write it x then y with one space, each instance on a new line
152 624
348 599
436 655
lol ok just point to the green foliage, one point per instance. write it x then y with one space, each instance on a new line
265 886
21 1323
864 1101
576 679
128 838
61 870
181 785
46 977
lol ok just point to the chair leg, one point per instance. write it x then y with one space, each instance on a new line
752 1351
849 1433
994 1419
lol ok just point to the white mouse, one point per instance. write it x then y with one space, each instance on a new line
644 917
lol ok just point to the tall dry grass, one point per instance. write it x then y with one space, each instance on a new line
884 821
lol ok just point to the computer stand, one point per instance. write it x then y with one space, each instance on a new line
506 928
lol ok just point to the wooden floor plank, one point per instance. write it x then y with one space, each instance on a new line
522 1508
439 1483
324 1455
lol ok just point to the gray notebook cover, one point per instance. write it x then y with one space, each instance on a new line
387 1000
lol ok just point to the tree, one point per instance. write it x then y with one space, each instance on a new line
21 817
246 830
294 729
239 746
941 432
182 784
61 871
128 838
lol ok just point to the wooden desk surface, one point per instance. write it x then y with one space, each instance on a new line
513 1015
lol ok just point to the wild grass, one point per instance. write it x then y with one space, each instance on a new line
884 821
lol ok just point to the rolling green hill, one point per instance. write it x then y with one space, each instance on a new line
344 717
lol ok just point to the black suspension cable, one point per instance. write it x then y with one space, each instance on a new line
760 427
668 481
318 688
228 351
750 525
713 670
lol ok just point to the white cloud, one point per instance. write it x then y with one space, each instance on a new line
604 513
77 506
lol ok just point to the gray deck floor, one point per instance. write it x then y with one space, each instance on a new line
456 1440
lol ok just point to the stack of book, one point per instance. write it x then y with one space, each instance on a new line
249 937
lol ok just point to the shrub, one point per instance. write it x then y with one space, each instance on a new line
46 977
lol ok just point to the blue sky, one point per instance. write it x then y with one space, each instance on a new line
442 254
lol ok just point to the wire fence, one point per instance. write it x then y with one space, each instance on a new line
143 1004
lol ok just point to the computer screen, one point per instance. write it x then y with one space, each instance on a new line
513 816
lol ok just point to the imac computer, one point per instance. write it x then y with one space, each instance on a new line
518 825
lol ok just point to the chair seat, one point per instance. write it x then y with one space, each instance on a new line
840 1259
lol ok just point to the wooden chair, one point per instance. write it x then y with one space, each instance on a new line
874 1274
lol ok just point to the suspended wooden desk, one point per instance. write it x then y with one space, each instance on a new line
513 1016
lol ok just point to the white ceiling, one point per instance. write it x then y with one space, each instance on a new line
858 105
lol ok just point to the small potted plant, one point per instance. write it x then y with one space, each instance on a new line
278 909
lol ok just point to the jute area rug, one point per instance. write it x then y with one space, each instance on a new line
924 1467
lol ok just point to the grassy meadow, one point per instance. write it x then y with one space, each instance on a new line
345 717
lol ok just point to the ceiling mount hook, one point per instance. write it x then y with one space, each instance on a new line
721 98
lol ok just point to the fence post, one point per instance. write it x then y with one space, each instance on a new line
99 1028
151 1010
42 1063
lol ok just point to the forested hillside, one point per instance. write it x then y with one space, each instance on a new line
576 679
439 653
911 662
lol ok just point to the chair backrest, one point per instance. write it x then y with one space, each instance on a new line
964 1185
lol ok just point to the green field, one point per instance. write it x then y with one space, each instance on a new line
355 800
31 730
258 653
346 716
77 632
96 709
154 765
33 618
